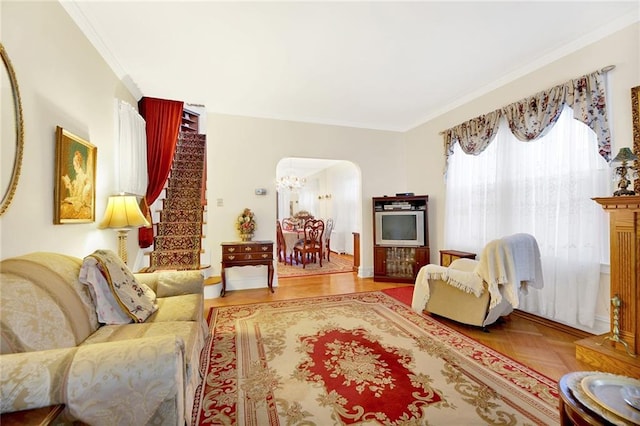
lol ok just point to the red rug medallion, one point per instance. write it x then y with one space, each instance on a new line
362 376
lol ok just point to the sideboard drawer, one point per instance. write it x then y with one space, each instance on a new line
238 256
252 247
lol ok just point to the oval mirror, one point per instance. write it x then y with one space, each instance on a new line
11 131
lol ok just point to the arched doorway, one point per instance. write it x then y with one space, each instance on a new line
327 189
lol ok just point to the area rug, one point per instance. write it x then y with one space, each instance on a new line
337 264
361 358
402 294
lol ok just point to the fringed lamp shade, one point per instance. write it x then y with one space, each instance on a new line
123 214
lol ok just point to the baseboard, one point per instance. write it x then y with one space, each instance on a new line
580 334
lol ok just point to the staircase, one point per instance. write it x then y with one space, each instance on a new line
178 234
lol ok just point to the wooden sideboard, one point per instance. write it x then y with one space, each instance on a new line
247 253
448 256
604 352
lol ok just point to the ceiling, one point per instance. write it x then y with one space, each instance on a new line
378 65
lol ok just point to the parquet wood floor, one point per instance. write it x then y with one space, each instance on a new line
548 350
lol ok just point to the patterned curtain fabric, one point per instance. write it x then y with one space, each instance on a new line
474 135
587 97
163 119
533 117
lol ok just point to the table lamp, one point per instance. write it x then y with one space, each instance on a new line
123 214
623 157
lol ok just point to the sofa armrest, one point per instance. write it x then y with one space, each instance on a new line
136 381
34 379
173 283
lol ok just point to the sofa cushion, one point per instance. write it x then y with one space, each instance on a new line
173 283
188 307
43 304
136 300
32 319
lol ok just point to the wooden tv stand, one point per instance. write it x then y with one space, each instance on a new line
400 263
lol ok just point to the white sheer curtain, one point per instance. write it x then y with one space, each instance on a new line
131 151
542 187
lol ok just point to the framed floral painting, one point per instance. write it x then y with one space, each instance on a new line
75 179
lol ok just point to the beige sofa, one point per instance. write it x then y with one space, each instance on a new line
55 351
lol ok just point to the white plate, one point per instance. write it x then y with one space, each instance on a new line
574 381
605 389
631 395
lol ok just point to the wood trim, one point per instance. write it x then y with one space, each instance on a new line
602 355
552 324
629 202
635 118
37 416
356 251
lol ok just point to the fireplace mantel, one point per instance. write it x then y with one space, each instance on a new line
608 352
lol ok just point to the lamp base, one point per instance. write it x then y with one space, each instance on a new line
623 191
122 244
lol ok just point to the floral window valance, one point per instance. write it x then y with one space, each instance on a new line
534 116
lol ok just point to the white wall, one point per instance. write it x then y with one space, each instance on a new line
426 164
63 82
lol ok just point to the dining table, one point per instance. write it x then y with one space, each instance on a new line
291 238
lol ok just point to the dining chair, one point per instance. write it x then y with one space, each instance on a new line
310 248
281 244
327 237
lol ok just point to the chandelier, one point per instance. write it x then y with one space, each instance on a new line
291 181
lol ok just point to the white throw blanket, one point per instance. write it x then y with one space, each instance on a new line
514 263
507 265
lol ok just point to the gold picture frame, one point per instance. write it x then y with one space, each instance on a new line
75 179
635 119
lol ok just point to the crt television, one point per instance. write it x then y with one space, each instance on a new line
399 228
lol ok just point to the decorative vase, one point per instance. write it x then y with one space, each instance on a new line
246 237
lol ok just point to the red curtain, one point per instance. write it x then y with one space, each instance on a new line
163 119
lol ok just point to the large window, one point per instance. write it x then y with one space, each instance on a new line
542 187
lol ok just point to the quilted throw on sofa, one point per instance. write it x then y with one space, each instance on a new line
119 296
